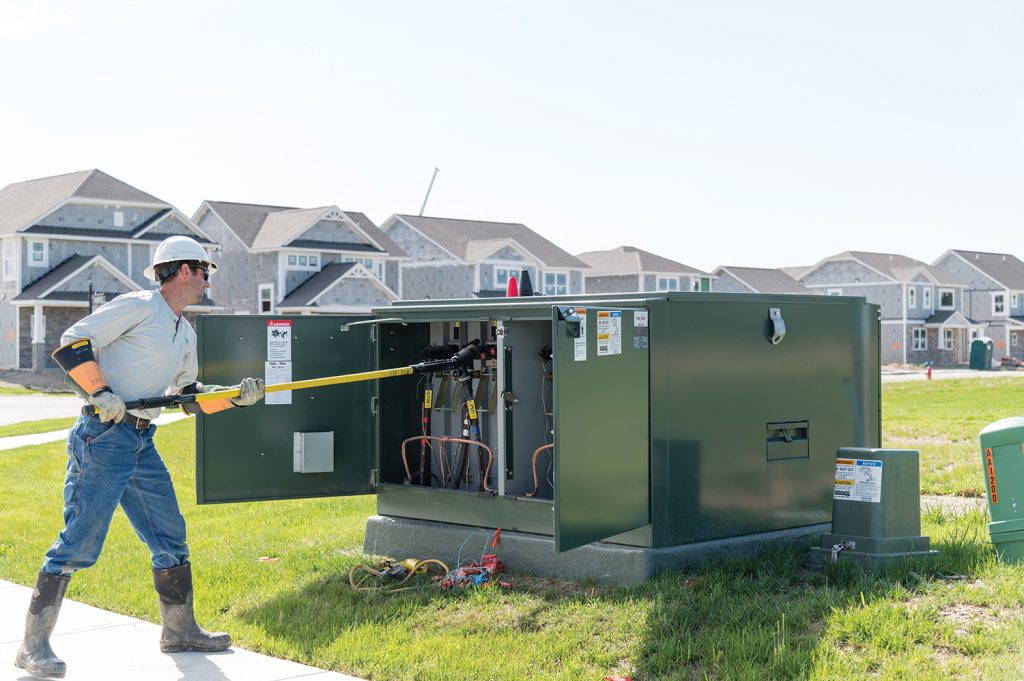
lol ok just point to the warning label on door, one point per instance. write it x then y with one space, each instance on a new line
609 332
579 345
858 480
279 340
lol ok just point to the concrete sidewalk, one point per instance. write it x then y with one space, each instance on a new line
16 441
99 646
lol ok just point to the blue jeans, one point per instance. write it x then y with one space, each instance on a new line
110 465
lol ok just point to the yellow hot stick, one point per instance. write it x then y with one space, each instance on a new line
312 383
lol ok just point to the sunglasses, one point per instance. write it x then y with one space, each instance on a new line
206 272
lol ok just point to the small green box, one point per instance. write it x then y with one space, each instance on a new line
876 512
1002 464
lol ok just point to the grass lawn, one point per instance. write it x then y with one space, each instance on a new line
32 427
958 616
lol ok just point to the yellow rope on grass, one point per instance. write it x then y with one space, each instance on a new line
411 566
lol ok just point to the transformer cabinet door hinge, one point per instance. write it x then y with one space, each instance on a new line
373 479
373 406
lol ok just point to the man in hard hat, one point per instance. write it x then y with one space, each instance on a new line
135 346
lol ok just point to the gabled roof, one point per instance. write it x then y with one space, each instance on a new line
23 203
1005 269
262 227
50 282
763 280
630 260
897 268
306 294
457 235
949 318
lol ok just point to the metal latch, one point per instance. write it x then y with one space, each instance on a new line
567 314
778 325
845 545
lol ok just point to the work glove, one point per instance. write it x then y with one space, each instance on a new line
110 407
250 391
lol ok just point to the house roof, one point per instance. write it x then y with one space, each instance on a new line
898 268
38 288
764 280
462 237
630 259
1005 269
263 227
308 290
951 318
23 203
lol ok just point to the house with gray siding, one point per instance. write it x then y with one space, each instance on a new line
921 306
627 269
994 296
70 242
452 258
731 279
282 260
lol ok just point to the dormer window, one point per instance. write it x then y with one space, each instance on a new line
912 297
926 297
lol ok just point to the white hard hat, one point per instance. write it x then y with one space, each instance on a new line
176 248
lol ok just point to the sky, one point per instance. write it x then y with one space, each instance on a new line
758 134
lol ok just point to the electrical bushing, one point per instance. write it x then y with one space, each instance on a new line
876 509
1002 464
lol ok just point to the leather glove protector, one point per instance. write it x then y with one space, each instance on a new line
250 391
110 406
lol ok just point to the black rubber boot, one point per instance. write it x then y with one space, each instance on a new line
35 655
181 633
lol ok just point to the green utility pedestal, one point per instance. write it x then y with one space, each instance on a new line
876 509
1002 461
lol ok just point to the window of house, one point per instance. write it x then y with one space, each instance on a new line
698 284
503 272
118 218
999 303
1014 300
556 283
668 283
301 261
1013 339
38 255
912 297
946 299
947 339
920 339
835 292
10 258
266 298
705 284
926 297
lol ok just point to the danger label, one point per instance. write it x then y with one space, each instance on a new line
858 480
279 340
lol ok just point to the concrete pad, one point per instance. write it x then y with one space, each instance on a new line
535 554
98 646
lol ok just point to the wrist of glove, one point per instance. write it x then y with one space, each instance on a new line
250 391
109 406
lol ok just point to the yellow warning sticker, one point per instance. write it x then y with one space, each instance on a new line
471 408
428 399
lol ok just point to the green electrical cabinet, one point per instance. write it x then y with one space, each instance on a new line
643 421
